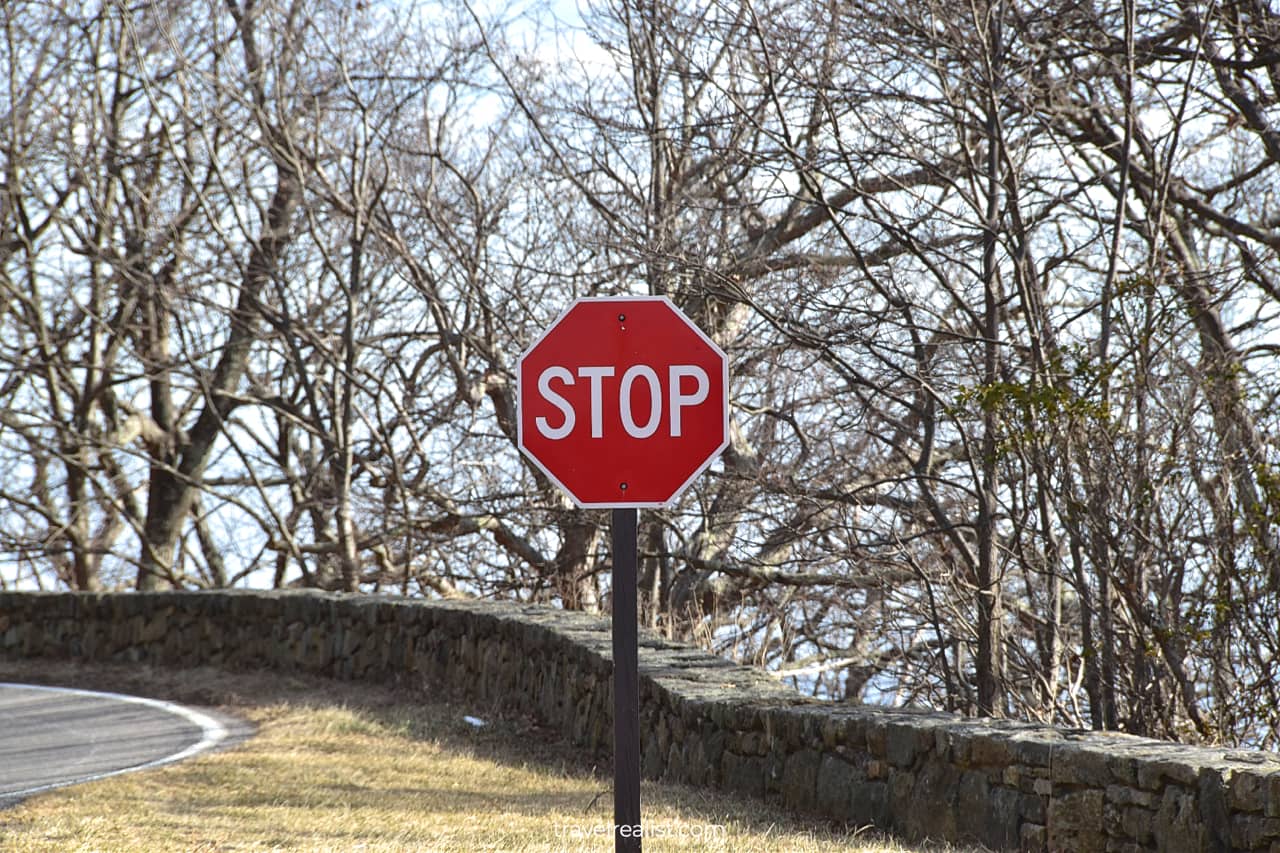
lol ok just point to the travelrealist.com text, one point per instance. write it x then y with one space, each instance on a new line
580 832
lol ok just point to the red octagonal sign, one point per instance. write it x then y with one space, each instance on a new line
623 401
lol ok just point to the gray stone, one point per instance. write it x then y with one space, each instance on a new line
1033 807
1116 845
785 725
1033 748
753 743
902 744
713 742
774 763
1128 822
1033 838
834 731
942 744
900 789
651 762
155 627
675 769
1177 827
660 732
869 805
995 822
959 745
941 785
1155 773
1123 795
1250 832
836 778
1214 813
991 751
1075 822
1124 769
1248 756
1248 792
800 778
1073 764
876 736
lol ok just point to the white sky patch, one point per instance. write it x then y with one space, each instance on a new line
551 33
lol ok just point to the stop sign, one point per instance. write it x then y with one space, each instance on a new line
623 401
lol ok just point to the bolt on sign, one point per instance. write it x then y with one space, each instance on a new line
623 401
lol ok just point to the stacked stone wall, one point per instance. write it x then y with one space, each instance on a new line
1010 786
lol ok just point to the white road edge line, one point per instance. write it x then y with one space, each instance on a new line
212 733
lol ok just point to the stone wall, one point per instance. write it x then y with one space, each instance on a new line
706 722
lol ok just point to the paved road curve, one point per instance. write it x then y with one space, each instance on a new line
56 736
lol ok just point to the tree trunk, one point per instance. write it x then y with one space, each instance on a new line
172 489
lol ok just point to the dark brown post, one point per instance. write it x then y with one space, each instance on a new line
626 686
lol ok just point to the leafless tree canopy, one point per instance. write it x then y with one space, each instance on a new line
999 281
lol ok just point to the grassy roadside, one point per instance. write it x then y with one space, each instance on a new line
337 767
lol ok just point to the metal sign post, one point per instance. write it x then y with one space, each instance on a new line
623 402
626 686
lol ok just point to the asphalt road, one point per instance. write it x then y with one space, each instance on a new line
55 736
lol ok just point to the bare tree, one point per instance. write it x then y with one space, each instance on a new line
997 279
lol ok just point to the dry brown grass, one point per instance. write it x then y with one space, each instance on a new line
338 767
